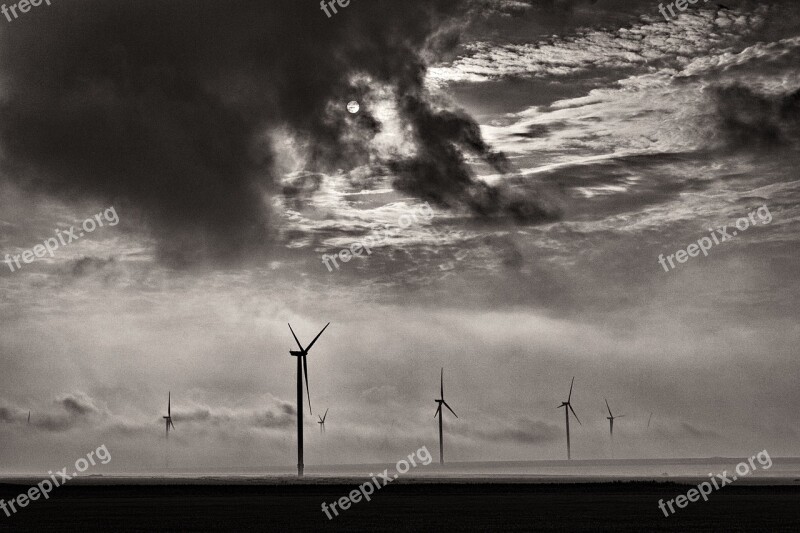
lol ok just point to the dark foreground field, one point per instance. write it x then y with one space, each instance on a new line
628 506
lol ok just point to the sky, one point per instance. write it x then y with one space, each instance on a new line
513 175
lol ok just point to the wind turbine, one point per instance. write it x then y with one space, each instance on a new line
567 408
29 418
302 370
441 402
611 417
648 420
322 421
168 418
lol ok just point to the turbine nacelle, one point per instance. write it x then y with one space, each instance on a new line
302 353
441 401
439 412
567 409
611 417
168 418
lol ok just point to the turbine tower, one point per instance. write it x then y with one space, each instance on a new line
168 418
322 421
567 408
611 417
29 418
439 413
302 370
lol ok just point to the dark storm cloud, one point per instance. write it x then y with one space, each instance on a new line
70 410
77 404
278 415
10 414
87 266
520 431
76 409
520 7
534 131
161 108
749 119
439 172
199 414
301 186
530 432
269 419
697 432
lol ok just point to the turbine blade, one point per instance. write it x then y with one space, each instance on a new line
445 403
325 415
308 393
295 338
169 402
441 382
607 407
573 413
570 389
171 423
317 337
437 411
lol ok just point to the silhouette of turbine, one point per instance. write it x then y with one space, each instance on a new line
322 421
168 418
567 408
611 417
441 402
302 370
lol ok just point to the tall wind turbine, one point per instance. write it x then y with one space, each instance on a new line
302 370
322 421
168 418
439 413
567 408
611 417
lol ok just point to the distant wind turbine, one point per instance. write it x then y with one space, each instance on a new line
611 417
648 420
567 408
29 418
302 370
322 421
439 413
168 418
